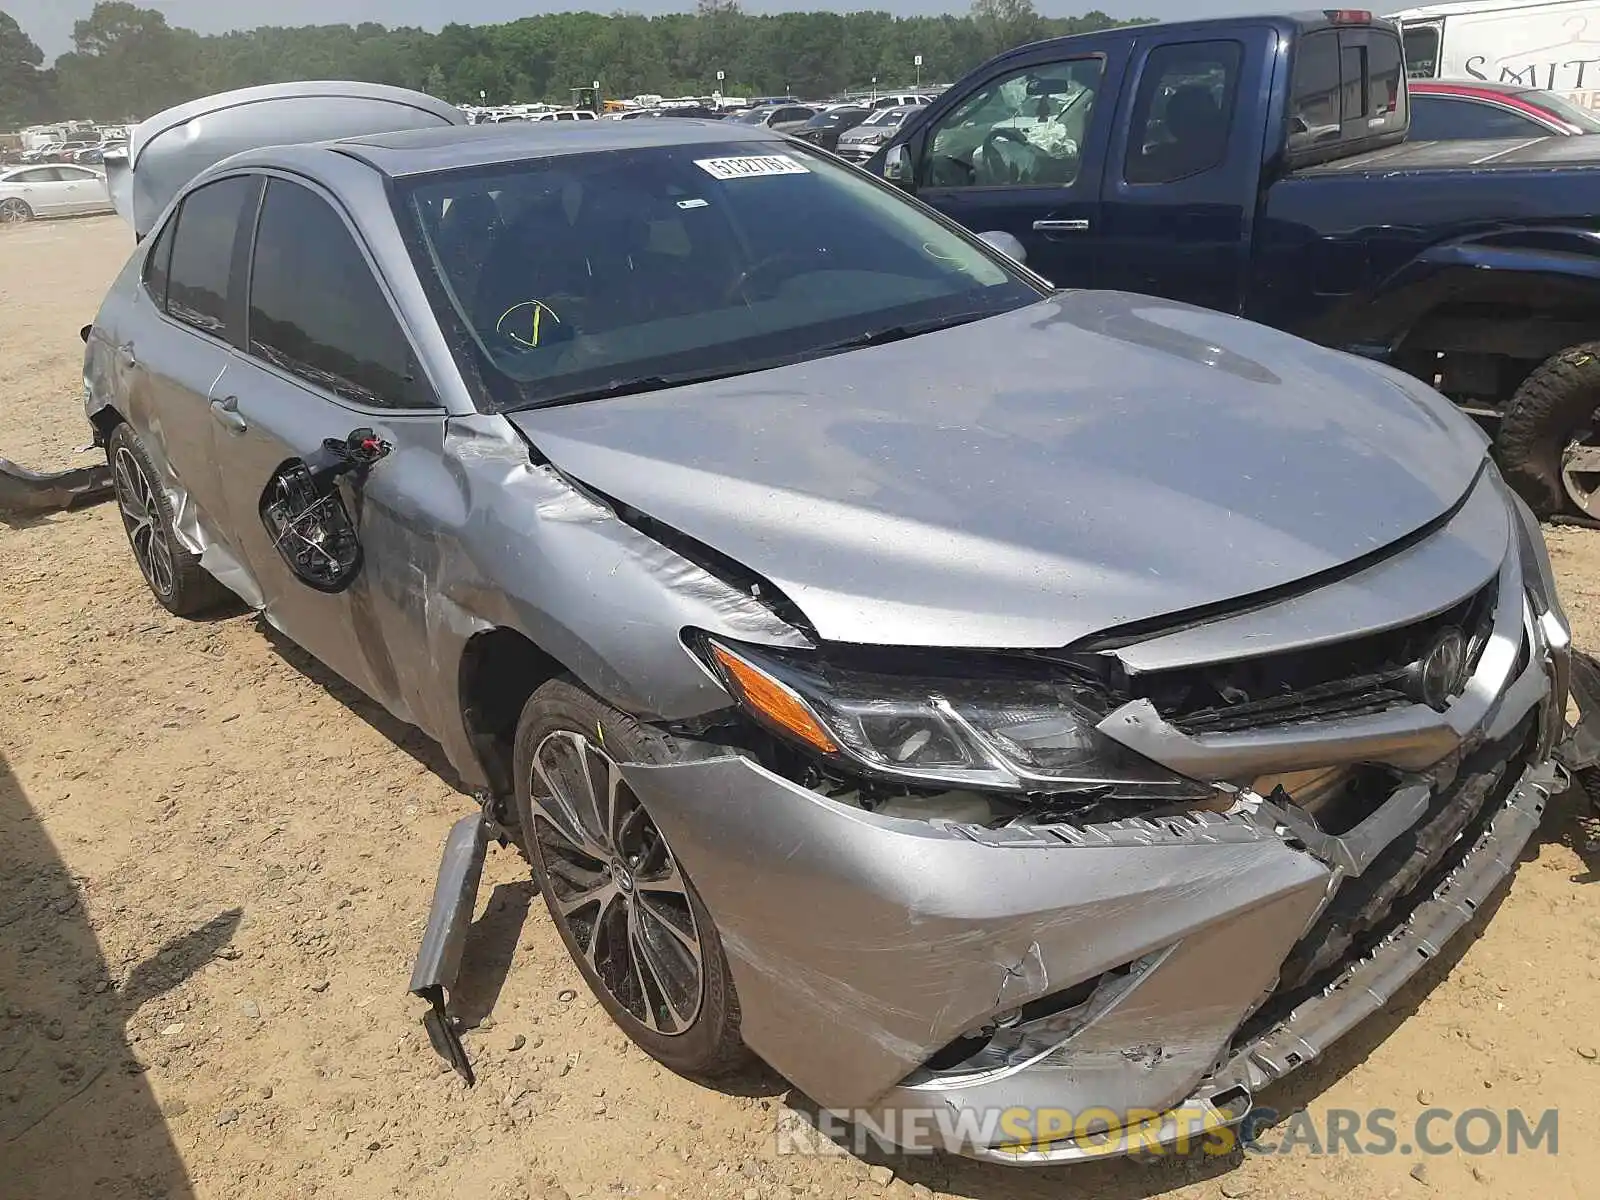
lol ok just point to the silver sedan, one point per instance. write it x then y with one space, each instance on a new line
51 190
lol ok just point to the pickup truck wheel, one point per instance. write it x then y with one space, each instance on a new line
1549 441
622 903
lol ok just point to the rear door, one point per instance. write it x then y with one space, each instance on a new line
180 358
1180 184
1022 152
325 355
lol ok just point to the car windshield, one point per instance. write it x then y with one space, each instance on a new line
641 268
754 117
1563 108
886 116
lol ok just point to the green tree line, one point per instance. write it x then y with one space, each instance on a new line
128 63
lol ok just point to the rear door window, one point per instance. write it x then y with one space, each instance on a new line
316 309
203 254
1183 113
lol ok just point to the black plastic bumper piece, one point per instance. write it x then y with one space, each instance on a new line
22 490
439 958
1581 749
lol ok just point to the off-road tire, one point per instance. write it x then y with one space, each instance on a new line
192 589
710 1047
1553 403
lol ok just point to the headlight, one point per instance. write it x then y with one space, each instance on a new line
1017 727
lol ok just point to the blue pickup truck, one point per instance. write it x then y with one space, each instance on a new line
1258 165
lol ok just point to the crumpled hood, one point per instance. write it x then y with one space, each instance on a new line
1032 478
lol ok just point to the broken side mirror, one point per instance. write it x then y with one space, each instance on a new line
305 514
897 166
1007 244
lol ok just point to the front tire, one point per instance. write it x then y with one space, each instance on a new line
624 907
14 211
175 577
1549 430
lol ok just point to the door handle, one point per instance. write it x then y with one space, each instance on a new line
226 411
1075 226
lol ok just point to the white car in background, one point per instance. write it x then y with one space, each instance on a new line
51 190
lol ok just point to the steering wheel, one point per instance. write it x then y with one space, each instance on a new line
736 289
1004 133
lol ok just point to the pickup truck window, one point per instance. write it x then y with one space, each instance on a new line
1345 85
1183 112
1019 130
1314 96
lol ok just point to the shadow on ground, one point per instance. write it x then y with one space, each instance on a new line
77 1117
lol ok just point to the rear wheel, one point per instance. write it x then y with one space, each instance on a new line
175 576
1549 440
627 912
14 211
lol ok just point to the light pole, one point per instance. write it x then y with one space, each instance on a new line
719 89
874 89
917 60
598 107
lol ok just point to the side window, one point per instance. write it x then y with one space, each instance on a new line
156 263
315 308
38 175
202 253
1020 130
1440 119
1183 112
1314 93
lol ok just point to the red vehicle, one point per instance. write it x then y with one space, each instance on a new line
1447 110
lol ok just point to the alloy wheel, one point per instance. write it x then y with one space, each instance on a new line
14 211
141 517
615 884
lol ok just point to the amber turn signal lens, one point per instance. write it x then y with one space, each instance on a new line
773 701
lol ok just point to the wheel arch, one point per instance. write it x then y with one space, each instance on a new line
499 668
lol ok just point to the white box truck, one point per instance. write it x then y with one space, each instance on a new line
1549 44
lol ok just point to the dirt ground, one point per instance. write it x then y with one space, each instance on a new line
215 863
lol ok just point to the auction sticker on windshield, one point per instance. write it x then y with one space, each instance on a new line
750 168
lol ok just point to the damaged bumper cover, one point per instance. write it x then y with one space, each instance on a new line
1156 971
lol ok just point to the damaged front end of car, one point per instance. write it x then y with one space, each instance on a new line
1134 881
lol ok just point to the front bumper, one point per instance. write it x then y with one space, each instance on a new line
863 946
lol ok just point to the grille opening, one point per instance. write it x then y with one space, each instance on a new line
1346 679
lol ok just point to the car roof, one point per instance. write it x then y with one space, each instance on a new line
423 151
1467 87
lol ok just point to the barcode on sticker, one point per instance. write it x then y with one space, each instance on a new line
750 168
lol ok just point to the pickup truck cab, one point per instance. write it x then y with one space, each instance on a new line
1258 166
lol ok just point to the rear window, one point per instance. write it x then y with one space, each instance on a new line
1421 51
574 273
1346 86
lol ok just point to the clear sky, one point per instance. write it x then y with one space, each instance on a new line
49 22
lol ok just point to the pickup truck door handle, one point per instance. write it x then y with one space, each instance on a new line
1075 226
226 411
